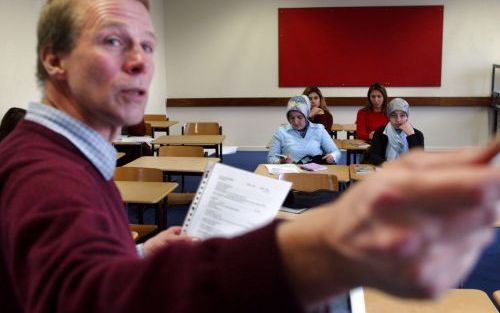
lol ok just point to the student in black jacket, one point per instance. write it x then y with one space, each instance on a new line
397 137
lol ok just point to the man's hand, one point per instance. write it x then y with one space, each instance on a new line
163 239
413 229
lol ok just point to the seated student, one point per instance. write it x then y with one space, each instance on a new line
10 120
373 115
302 141
319 111
397 137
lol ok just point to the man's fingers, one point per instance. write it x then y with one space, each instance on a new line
460 157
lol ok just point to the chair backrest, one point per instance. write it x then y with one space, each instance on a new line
181 151
148 130
311 182
155 117
138 174
201 128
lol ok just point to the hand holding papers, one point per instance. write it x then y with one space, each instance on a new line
231 201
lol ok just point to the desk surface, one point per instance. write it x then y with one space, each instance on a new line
341 171
344 127
173 164
161 124
144 192
356 174
190 140
120 155
456 301
352 144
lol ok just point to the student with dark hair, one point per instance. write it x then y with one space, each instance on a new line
10 120
319 111
373 115
397 137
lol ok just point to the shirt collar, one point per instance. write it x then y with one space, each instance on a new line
95 148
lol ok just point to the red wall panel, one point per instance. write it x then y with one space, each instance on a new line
356 46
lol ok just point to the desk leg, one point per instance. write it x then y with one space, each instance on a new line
219 152
160 215
495 121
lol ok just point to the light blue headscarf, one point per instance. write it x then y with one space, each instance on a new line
397 139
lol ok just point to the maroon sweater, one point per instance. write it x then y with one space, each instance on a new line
65 245
325 119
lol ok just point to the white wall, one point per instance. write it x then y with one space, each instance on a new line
18 19
229 48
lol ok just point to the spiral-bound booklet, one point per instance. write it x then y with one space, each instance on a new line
231 201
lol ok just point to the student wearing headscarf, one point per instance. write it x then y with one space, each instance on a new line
302 141
397 137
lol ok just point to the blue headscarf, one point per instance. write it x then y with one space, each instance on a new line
397 143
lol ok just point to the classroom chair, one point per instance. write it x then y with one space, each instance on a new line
181 151
201 128
139 174
182 198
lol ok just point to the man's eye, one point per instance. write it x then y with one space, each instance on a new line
148 48
113 41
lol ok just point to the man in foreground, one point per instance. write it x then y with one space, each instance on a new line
413 229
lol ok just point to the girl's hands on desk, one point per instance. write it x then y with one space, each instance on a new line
413 229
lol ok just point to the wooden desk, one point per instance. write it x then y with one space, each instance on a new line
208 141
180 165
350 129
161 126
456 301
120 155
341 171
354 171
143 193
353 147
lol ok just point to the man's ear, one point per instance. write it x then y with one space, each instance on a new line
53 63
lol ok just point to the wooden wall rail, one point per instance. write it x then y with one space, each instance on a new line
331 101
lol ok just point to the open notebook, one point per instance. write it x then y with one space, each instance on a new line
230 201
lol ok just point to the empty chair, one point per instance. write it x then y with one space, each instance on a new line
311 182
201 128
139 174
182 151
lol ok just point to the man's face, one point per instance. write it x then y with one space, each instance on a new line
110 68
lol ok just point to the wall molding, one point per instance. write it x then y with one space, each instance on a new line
331 101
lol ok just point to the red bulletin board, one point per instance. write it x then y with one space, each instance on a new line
356 46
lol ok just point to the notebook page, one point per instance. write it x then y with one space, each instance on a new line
233 201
